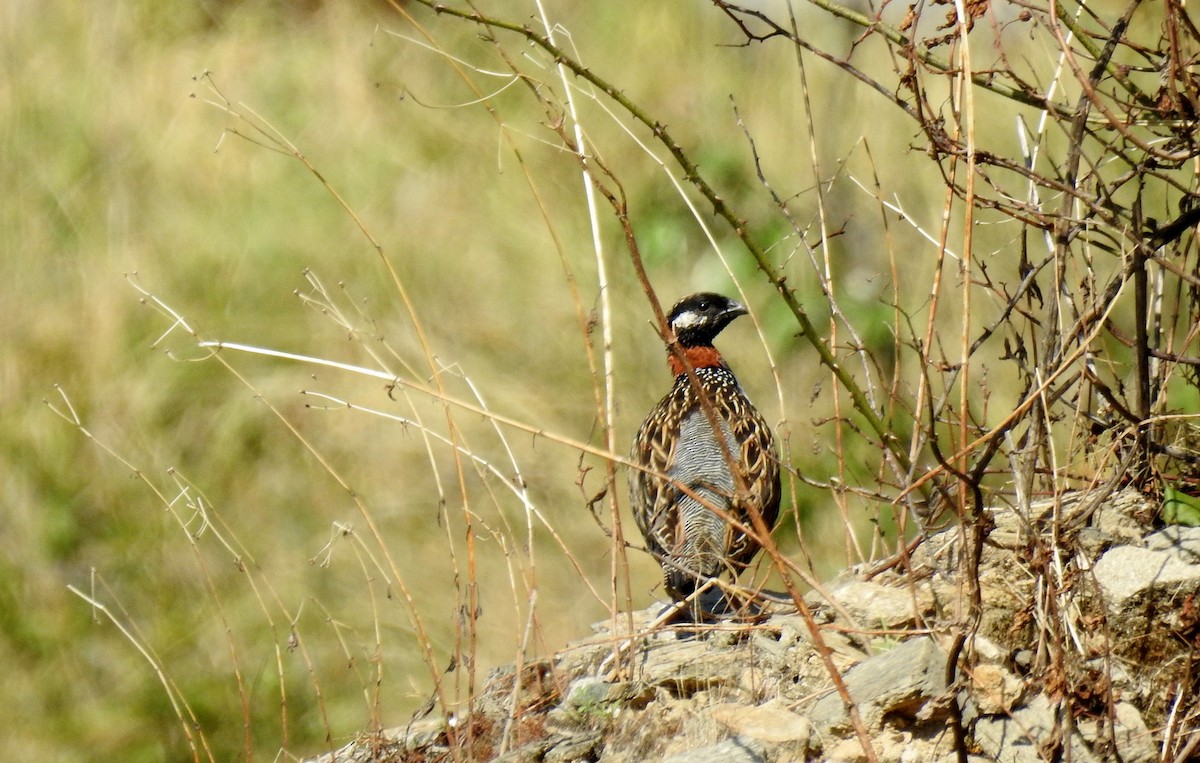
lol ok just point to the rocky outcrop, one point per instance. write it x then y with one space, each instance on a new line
1083 646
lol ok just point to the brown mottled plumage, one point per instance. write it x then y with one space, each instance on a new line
690 540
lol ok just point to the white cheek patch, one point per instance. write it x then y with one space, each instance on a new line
686 320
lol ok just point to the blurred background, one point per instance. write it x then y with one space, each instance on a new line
243 532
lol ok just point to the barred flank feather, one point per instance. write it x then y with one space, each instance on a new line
678 442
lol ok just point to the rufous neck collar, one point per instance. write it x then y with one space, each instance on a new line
698 357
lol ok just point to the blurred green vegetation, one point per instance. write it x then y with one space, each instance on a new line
119 163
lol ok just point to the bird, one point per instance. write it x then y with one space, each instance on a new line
681 471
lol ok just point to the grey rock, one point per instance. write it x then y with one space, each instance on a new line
1133 739
899 680
1017 738
995 689
1182 542
1122 516
572 748
731 693
589 692
1128 571
530 753
420 732
771 722
689 666
876 605
736 750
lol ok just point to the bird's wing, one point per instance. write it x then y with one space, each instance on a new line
760 468
653 498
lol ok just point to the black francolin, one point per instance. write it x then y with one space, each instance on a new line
687 481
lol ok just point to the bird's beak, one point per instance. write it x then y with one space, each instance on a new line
735 309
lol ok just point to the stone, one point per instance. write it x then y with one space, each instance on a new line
771 722
734 750
1125 572
1016 738
846 751
530 753
744 692
1134 741
1019 738
876 605
1181 542
573 748
689 666
1123 516
994 689
421 732
589 692
899 680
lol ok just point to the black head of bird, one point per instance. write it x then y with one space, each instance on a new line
696 320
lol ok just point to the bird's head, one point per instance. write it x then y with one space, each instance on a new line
696 320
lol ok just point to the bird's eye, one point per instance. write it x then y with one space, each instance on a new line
704 305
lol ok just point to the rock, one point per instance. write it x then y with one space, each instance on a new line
1016 738
1182 542
1132 738
875 605
771 722
846 751
421 732
589 692
729 751
573 748
994 689
1134 741
689 666
843 648
1128 613
892 746
530 753
1019 737
1125 572
1123 516
899 680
